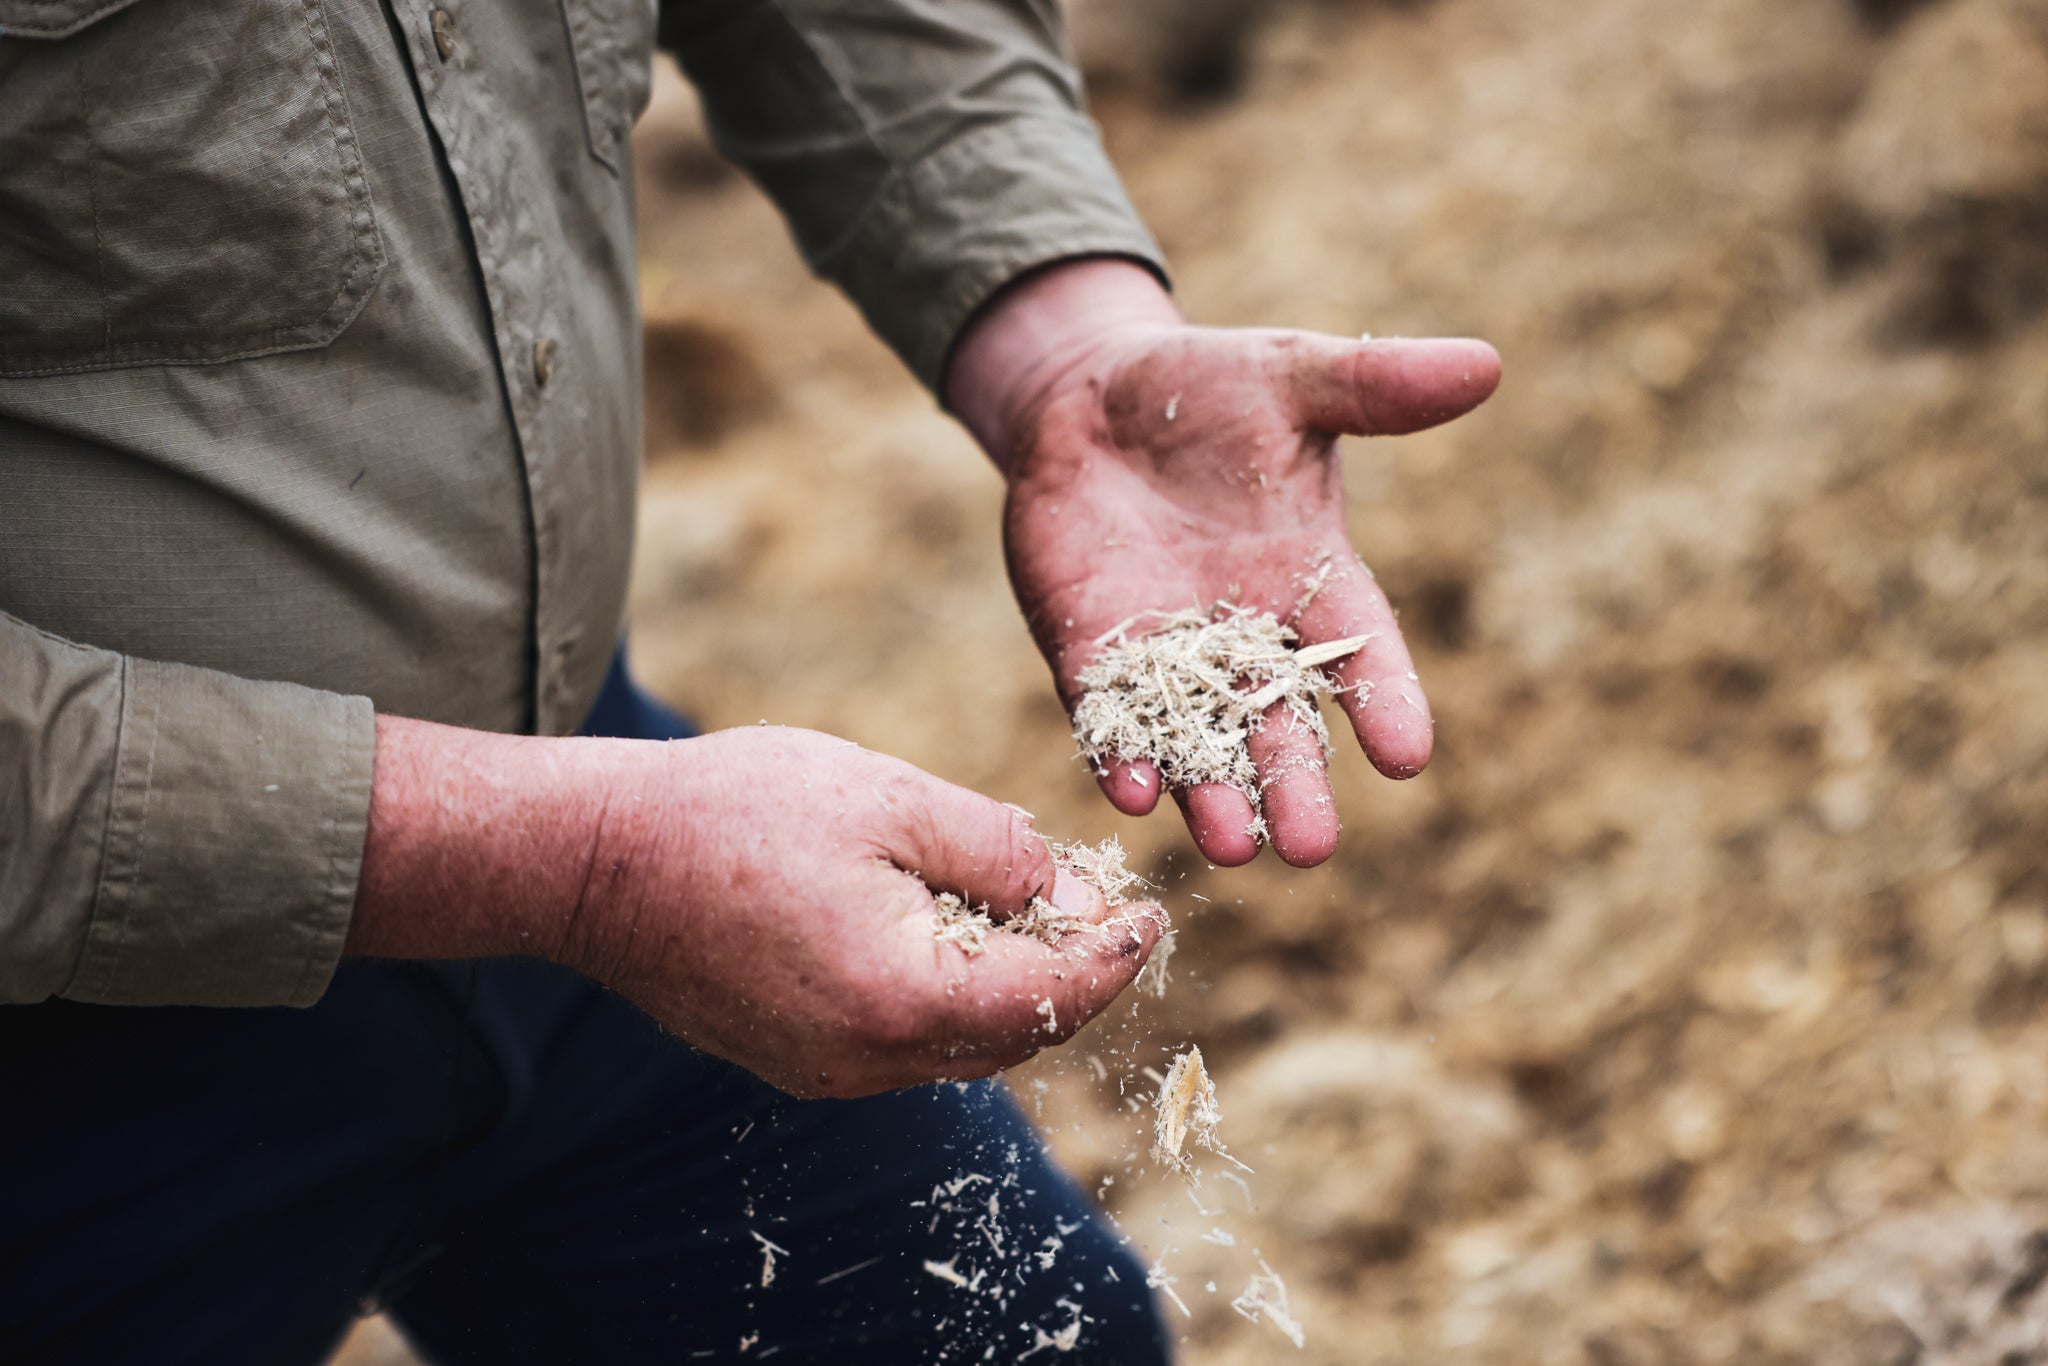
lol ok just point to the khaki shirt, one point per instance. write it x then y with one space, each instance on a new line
319 387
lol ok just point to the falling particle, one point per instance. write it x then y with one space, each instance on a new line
1173 408
1065 1339
1266 1298
1187 1108
945 1272
1152 977
1045 1008
847 1271
769 1252
747 1342
1156 1278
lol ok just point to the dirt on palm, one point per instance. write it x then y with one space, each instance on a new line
1690 1008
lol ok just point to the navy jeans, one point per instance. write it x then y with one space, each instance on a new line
518 1167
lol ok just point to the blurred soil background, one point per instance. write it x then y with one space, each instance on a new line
1693 1006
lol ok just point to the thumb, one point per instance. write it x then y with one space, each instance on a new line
959 841
1386 388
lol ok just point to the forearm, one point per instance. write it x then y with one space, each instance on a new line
1035 328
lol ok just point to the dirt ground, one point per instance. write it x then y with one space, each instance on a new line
1690 1007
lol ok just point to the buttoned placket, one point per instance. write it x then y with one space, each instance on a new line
450 63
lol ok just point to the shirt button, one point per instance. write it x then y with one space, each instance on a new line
543 361
444 33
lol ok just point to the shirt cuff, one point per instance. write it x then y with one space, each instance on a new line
955 226
234 841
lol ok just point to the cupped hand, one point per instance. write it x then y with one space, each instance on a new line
1155 466
765 893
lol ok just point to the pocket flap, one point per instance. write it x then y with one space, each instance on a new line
53 18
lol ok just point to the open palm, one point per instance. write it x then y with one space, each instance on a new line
1169 466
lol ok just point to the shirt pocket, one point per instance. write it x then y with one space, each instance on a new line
613 44
179 184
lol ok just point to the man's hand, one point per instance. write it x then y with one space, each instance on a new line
1155 466
764 893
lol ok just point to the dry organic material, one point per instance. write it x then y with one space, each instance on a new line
1152 977
967 927
1189 694
1187 1109
769 1252
1266 1298
1101 866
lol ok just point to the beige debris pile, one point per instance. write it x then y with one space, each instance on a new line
1101 866
1190 693
967 928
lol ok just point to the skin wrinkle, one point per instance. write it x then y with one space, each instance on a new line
576 928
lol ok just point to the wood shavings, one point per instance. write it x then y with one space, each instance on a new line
1152 977
769 1252
1191 693
1265 1298
1101 866
1066 1339
846 1271
965 927
1157 1278
945 1272
1187 1109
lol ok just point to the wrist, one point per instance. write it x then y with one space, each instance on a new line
1036 330
478 846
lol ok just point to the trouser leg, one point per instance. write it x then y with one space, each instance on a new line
215 1186
626 1214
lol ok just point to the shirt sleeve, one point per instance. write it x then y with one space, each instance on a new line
172 835
925 152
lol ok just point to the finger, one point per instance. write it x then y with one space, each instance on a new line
1384 388
959 841
1222 822
1377 686
1132 788
1294 779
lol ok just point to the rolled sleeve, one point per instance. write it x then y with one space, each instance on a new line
960 224
180 836
924 153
